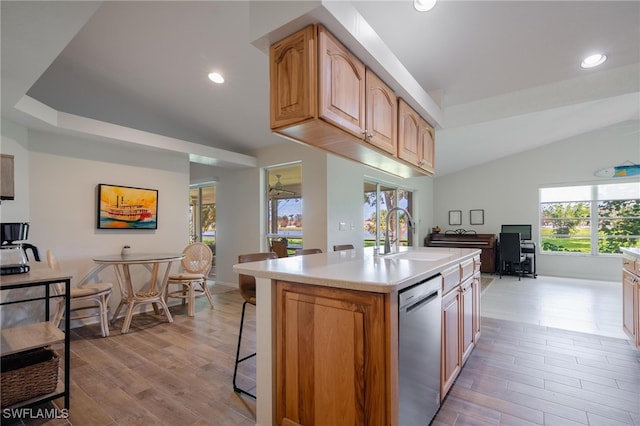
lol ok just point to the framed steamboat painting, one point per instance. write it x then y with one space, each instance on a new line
125 207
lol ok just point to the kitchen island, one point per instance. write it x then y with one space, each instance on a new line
327 331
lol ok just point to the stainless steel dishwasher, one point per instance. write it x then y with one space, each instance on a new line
419 351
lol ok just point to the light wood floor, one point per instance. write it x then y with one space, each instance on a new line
588 306
525 370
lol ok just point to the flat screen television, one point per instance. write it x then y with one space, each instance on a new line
523 230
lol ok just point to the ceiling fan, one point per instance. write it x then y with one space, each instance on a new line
278 189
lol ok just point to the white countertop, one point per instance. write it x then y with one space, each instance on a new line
359 269
633 251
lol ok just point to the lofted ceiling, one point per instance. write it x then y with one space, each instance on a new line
505 75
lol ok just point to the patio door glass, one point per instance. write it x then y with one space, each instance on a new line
202 215
284 206
379 198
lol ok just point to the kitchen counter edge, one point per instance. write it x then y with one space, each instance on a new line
320 269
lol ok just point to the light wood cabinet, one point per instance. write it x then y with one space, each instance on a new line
466 316
450 359
333 356
460 319
631 298
382 115
416 141
323 95
342 86
293 75
629 284
477 294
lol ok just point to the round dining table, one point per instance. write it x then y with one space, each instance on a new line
154 294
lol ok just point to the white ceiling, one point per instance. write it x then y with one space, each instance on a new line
505 74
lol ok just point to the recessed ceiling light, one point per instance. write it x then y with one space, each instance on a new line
593 60
424 5
216 77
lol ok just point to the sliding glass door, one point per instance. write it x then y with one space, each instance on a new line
202 216
379 198
284 206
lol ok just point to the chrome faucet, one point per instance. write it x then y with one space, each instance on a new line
387 243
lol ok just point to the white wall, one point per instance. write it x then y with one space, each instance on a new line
332 189
63 172
345 180
15 142
241 200
507 190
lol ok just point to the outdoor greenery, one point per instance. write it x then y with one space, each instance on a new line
387 199
566 227
619 219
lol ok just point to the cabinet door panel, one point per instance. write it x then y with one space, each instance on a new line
342 86
466 317
477 309
629 285
293 79
330 356
427 144
382 116
408 133
450 341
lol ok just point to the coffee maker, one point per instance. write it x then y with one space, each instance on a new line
13 251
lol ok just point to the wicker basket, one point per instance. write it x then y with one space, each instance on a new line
28 374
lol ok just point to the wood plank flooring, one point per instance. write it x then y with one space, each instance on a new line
522 372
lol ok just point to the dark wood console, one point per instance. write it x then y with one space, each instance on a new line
485 242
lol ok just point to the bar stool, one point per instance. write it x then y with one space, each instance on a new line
302 252
247 284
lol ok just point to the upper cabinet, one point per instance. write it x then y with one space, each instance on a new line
293 75
416 140
322 95
342 86
382 115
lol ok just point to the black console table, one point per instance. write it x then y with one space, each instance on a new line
39 333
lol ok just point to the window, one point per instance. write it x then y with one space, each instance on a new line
378 199
592 219
284 204
202 214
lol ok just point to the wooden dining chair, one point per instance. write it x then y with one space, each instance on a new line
279 247
247 285
302 252
192 279
88 300
339 247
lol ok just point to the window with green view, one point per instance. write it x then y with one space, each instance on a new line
591 219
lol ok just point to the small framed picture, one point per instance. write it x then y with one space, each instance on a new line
476 217
455 217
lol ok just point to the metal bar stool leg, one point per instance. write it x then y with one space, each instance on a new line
238 359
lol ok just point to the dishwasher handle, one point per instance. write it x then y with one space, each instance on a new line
412 295
418 303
